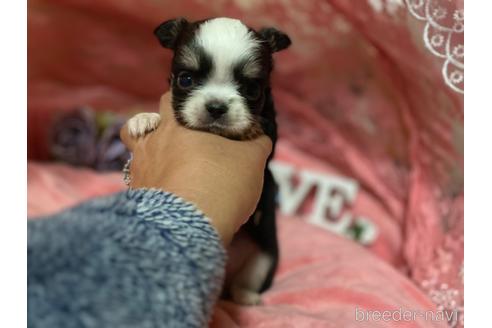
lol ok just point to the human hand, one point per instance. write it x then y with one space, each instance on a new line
222 177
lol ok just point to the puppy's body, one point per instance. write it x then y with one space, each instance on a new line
220 80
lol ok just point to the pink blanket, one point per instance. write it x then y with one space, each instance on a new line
328 282
371 90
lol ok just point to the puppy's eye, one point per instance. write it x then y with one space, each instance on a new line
252 91
185 80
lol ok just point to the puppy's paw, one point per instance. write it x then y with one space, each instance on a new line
143 123
243 296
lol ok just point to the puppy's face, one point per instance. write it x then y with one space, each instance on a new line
220 73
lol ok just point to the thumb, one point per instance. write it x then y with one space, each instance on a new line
166 113
126 138
165 107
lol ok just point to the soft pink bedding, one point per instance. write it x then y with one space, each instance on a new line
319 283
51 187
370 90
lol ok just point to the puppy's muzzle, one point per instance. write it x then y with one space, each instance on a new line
216 109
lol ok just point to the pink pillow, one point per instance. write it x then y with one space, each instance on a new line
388 241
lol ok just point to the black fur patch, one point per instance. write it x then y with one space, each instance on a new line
168 32
200 76
276 39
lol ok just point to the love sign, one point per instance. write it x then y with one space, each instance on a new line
333 196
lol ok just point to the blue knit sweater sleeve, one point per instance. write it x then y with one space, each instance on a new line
142 258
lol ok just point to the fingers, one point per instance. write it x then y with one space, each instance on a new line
166 114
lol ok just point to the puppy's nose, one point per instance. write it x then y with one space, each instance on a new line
216 108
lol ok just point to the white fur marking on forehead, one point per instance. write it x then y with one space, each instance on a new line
227 41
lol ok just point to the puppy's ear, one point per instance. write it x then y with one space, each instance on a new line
276 39
167 33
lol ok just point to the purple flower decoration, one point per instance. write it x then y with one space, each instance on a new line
112 153
84 138
73 138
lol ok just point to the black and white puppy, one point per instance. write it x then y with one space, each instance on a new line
220 80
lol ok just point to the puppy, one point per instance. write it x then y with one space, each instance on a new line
220 81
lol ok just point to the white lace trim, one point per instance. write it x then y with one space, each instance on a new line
443 36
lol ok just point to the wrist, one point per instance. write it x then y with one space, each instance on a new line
221 214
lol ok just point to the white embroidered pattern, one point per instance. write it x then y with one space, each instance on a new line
443 36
